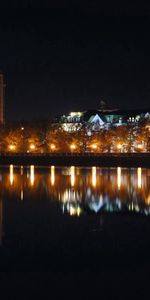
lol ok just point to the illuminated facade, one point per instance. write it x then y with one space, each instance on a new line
100 119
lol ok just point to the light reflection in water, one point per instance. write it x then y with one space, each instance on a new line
94 177
72 170
52 175
11 174
119 177
139 171
32 177
21 170
78 190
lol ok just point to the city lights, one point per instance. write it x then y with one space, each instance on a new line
53 147
94 146
12 147
140 146
32 147
119 146
73 147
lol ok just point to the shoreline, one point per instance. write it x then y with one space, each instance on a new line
104 160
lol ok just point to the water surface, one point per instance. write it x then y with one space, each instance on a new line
72 217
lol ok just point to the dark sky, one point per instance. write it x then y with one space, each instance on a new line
57 58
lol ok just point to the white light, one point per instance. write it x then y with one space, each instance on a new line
139 171
11 174
52 175
94 176
119 177
72 169
32 175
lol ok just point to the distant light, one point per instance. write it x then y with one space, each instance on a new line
52 175
11 170
72 171
72 146
12 147
94 179
140 146
119 177
139 173
148 199
52 146
94 146
72 211
32 175
119 146
77 114
22 128
32 146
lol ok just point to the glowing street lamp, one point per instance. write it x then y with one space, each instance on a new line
32 147
94 146
12 147
140 146
73 147
119 146
53 147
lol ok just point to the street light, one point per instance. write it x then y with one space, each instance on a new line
140 146
119 146
32 146
12 147
53 147
94 146
72 146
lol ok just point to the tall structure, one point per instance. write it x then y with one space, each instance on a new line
1 99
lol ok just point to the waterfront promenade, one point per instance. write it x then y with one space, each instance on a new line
78 159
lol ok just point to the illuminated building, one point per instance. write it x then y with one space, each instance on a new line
98 119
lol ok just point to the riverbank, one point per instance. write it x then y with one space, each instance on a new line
104 159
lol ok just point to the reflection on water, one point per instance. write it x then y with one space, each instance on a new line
52 175
72 171
11 171
94 176
81 190
77 191
32 175
139 170
119 177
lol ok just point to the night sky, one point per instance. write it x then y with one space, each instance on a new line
65 58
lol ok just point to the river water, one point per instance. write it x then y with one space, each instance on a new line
72 218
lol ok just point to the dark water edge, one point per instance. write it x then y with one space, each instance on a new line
110 160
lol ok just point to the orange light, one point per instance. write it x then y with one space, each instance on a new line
11 168
72 171
32 175
72 146
32 146
52 175
94 179
52 147
119 146
12 147
94 146
139 146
